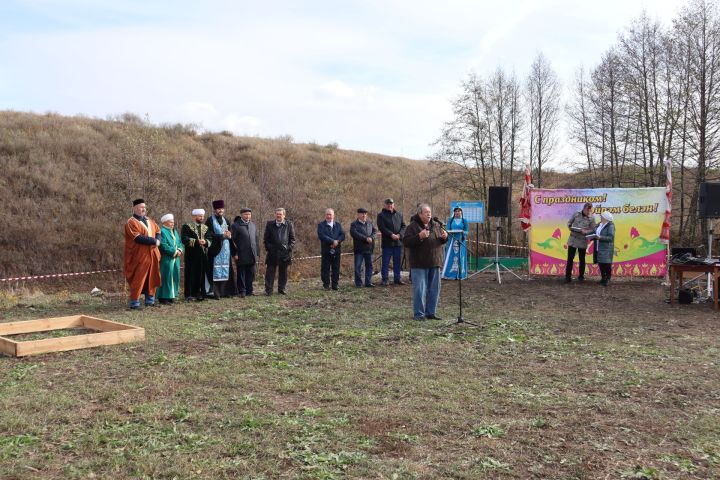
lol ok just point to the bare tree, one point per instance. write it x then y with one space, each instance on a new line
580 130
698 29
480 145
543 99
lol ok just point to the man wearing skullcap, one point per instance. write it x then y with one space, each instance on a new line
194 237
220 252
247 240
171 250
142 257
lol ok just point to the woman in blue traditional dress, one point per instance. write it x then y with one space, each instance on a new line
456 265
171 250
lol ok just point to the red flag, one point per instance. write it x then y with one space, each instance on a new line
665 230
525 207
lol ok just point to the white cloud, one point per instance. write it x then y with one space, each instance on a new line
244 125
336 89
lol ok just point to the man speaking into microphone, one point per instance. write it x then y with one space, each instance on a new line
424 239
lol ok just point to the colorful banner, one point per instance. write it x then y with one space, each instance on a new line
638 214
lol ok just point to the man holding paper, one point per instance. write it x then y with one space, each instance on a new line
580 224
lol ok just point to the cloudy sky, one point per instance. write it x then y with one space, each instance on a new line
370 75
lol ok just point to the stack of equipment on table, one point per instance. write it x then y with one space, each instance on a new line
687 256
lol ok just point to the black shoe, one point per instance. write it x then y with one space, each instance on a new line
358 285
335 287
282 292
326 288
581 279
419 319
399 282
370 285
568 280
433 317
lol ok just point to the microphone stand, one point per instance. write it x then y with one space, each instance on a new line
459 319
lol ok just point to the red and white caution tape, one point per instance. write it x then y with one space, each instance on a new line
316 256
57 275
501 245
113 270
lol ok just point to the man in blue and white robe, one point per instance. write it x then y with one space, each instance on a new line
220 273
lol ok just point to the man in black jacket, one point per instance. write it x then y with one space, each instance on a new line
392 226
279 241
245 238
363 233
331 236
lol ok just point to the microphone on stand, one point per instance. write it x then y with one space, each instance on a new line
441 223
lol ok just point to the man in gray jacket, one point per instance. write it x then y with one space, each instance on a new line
580 224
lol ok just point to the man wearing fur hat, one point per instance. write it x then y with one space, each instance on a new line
194 237
142 257
220 252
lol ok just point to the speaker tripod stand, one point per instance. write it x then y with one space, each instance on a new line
496 261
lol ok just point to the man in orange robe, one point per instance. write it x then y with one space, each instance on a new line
142 256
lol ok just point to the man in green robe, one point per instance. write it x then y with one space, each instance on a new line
171 251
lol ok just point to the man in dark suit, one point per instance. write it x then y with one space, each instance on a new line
331 236
279 241
245 238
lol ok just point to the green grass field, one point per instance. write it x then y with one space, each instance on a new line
560 382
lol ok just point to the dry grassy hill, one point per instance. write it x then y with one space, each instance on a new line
68 183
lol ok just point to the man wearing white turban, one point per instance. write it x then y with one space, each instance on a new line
194 238
171 250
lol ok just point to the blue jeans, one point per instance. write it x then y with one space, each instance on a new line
426 291
365 258
396 254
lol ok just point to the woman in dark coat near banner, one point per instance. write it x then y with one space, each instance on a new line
604 250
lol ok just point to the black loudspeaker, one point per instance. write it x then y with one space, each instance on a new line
709 200
498 201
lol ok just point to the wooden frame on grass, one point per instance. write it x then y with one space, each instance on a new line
109 333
